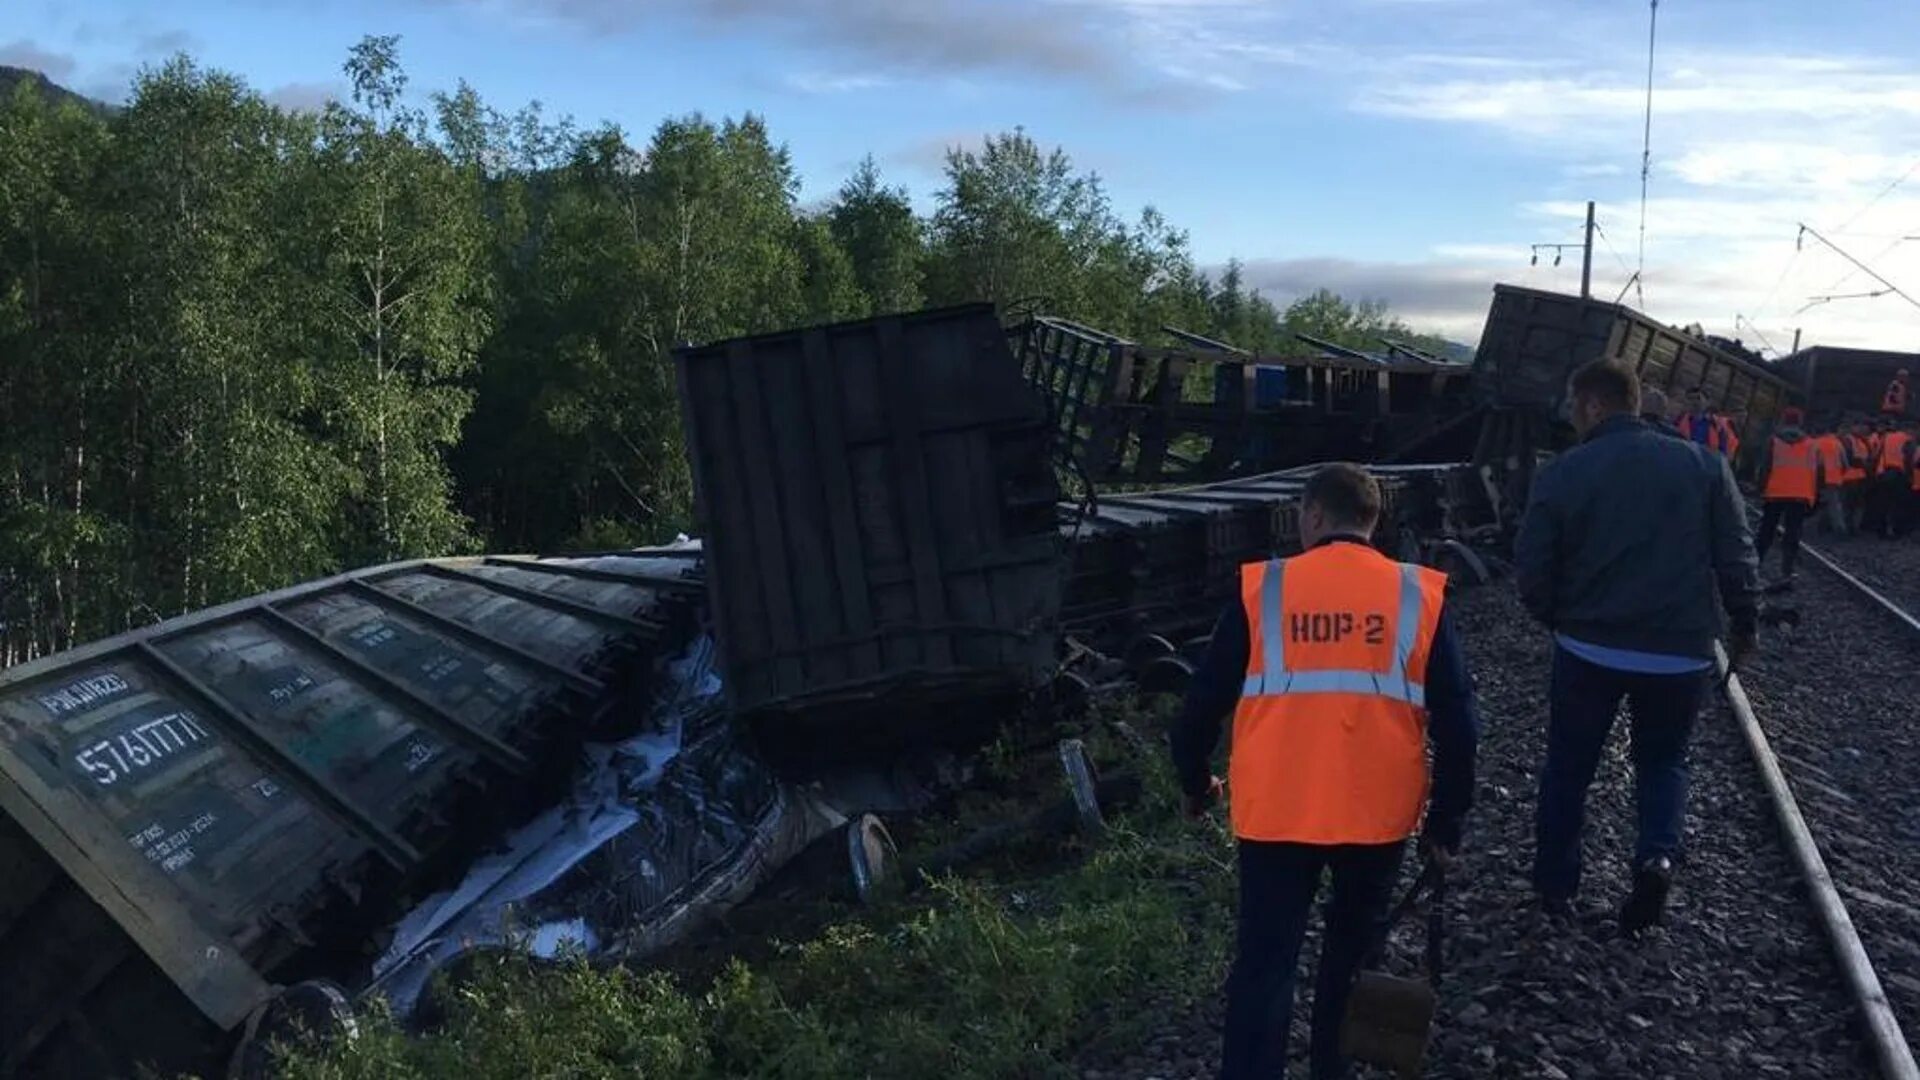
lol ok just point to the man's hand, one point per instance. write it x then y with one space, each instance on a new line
1438 855
1198 805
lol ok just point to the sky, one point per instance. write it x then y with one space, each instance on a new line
1406 150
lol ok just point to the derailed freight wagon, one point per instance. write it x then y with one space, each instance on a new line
877 500
198 812
1534 340
1129 413
1838 382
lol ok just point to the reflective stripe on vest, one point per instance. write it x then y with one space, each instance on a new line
1275 680
1329 736
1791 476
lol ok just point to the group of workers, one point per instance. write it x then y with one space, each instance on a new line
1851 474
1353 709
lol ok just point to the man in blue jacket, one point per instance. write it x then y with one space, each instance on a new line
1626 541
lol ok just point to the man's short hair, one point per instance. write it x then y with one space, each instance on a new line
1346 493
1609 382
1653 403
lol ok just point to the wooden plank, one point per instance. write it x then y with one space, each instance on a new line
376 835
819 599
843 522
910 467
750 421
737 606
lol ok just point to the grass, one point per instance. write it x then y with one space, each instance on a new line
1014 970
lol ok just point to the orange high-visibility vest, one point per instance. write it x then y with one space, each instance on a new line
1859 452
1791 476
1720 434
1893 451
1895 400
1833 459
1330 736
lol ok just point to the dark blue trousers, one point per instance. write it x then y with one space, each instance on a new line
1278 883
1586 697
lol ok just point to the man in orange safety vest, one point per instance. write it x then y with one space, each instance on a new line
1339 667
1790 474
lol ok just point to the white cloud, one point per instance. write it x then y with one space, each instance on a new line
815 82
306 96
23 53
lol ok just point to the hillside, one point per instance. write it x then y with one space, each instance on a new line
53 92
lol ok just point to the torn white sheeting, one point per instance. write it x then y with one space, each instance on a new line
536 855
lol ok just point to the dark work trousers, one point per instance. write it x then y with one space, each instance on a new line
1278 883
1886 499
1585 698
1772 513
1854 496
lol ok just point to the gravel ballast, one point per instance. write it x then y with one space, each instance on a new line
1839 696
1739 984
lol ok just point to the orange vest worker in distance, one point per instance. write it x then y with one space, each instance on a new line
1794 472
1833 459
1340 668
1709 429
1789 487
1893 452
1855 469
1894 401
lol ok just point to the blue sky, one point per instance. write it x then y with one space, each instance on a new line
1404 149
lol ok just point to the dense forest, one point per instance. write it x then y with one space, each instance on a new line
242 346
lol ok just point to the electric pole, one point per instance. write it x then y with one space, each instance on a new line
1796 340
1586 257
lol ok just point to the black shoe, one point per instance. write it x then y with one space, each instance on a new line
1557 907
1647 904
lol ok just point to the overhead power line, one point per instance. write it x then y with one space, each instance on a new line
1884 192
1808 230
1646 145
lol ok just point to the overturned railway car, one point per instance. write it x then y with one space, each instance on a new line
198 812
1837 382
1129 413
1534 339
877 502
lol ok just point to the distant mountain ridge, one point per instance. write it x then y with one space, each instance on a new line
53 92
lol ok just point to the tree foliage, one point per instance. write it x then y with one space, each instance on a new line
241 347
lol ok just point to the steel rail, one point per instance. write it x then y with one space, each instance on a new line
1865 589
1890 1047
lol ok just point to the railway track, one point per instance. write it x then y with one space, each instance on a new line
1829 711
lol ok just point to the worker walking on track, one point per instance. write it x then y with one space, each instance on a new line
1890 486
1626 539
1339 666
1860 455
1790 485
1831 449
